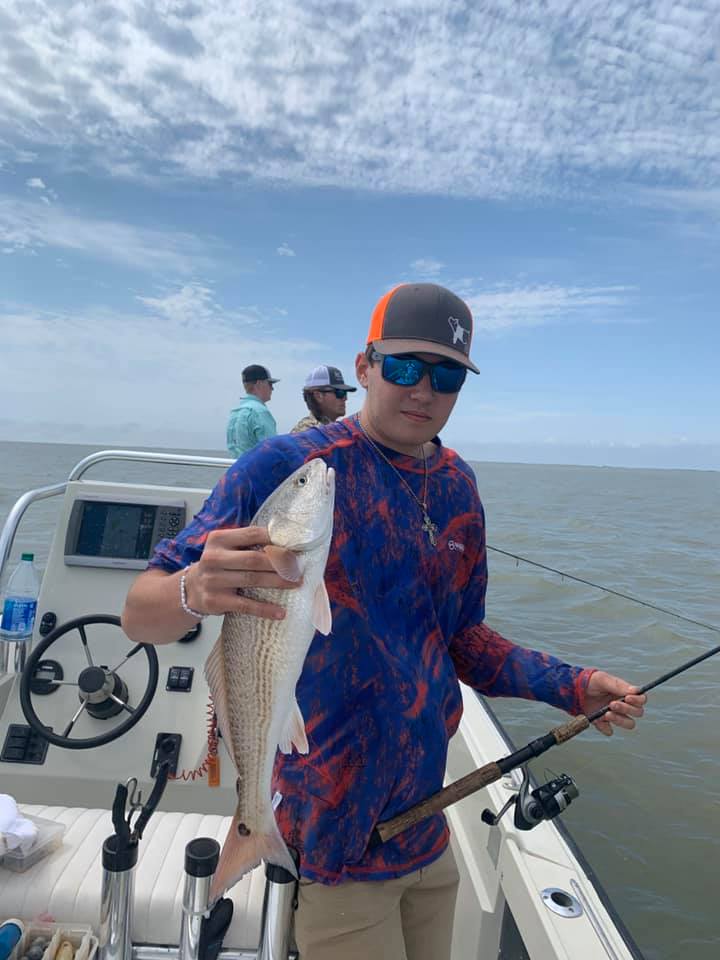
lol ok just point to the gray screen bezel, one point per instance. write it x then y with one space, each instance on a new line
115 563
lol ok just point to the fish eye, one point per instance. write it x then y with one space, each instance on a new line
301 481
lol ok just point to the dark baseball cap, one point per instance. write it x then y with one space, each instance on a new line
423 318
256 372
326 376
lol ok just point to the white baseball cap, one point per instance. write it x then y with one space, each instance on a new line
326 376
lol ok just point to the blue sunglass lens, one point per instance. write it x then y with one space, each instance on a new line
404 371
409 371
447 379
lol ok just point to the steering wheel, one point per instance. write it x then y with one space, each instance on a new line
101 692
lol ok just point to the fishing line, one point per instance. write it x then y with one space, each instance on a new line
491 772
544 797
599 586
626 596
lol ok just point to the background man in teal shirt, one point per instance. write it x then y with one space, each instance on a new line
251 421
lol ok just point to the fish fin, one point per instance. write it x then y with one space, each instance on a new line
215 674
284 562
241 854
321 615
294 731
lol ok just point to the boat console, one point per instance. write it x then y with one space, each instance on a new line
132 698
89 710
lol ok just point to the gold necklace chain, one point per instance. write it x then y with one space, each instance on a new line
430 528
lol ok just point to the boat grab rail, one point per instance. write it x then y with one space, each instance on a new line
146 456
7 536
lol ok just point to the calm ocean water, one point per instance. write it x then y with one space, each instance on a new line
647 817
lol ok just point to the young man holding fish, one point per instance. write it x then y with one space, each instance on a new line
406 577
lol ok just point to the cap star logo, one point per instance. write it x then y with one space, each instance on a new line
459 332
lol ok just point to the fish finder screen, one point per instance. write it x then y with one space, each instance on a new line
122 530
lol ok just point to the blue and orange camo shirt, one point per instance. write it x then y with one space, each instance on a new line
380 694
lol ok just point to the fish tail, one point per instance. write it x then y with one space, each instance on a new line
241 853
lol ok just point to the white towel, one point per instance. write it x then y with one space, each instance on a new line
16 831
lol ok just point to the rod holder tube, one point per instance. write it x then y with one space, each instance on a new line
116 900
279 903
201 860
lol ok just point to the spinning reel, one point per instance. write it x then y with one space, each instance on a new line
533 806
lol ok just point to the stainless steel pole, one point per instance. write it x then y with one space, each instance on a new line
278 906
201 859
116 901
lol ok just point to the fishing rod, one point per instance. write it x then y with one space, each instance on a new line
484 776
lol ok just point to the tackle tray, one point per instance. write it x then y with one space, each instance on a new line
82 938
49 838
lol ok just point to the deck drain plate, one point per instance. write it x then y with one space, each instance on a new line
561 902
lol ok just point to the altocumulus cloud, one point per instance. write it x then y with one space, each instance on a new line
194 304
487 99
501 309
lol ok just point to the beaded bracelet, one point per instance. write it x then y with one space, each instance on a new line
183 598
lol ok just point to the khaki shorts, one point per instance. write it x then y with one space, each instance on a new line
410 918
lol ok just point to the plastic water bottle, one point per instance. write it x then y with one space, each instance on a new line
10 935
18 614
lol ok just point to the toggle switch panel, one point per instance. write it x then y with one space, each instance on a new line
167 749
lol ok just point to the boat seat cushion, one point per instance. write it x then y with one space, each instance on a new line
67 883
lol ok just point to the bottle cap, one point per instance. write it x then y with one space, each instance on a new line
11 933
28 556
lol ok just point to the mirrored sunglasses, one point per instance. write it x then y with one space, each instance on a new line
405 370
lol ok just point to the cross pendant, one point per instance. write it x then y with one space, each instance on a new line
430 529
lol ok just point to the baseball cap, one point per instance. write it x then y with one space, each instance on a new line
256 372
423 317
326 376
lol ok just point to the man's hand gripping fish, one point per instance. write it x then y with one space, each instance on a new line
256 663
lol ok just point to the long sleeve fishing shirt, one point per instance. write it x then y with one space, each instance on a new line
249 424
380 695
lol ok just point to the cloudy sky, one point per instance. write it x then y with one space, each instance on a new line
186 188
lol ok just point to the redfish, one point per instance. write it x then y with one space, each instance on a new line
255 664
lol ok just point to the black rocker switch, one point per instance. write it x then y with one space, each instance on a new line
23 745
167 750
180 678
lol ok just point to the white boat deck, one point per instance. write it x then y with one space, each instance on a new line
504 907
